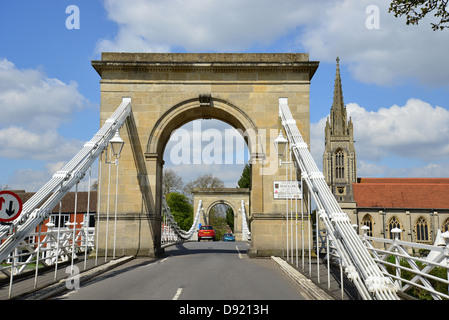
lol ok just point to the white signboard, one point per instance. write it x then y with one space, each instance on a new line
287 190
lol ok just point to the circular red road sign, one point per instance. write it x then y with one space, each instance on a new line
10 206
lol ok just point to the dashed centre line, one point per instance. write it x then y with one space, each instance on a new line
178 293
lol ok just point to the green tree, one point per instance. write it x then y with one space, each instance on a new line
182 210
230 218
218 222
245 178
415 10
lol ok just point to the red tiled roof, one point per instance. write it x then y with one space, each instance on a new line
68 202
431 193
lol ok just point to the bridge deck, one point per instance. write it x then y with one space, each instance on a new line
24 285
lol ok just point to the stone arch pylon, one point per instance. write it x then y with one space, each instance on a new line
168 90
229 196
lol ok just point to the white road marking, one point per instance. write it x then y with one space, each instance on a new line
240 254
163 260
178 293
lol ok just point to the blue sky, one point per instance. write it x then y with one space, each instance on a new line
395 81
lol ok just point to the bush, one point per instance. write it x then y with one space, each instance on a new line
416 292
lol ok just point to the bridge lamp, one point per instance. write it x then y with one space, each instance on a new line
280 143
117 144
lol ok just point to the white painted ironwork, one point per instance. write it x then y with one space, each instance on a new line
171 232
57 244
246 234
420 267
359 265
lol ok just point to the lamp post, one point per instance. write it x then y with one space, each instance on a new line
116 147
280 143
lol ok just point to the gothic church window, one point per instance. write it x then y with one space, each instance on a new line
422 230
394 223
339 164
368 221
446 225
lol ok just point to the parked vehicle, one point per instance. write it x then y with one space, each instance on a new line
228 237
206 232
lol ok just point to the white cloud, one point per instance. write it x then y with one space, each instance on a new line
382 56
415 134
33 108
199 25
32 180
29 98
206 142
415 130
18 143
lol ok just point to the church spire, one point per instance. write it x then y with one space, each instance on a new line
339 157
338 111
338 91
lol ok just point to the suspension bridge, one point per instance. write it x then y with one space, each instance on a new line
33 245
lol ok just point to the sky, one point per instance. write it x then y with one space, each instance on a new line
395 77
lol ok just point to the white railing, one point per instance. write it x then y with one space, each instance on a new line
359 265
45 249
399 258
246 234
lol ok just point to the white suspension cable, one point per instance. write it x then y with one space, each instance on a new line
38 208
246 234
173 225
359 264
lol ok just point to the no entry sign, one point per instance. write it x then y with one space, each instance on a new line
10 206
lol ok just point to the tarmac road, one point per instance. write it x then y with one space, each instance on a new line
192 271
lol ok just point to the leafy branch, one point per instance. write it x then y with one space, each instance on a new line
415 10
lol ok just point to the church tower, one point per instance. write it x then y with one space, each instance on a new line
339 158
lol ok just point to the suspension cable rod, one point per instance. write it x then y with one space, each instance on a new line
39 206
359 264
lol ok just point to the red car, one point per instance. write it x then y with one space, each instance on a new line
206 232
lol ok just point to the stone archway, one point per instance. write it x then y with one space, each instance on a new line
169 90
229 196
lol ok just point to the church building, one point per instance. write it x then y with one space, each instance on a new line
417 206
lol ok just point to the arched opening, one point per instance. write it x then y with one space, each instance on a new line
221 217
193 139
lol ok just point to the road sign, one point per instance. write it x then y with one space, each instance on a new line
10 206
